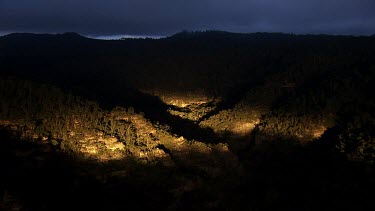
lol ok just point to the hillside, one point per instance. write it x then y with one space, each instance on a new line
198 120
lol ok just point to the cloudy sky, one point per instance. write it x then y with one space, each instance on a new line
165 17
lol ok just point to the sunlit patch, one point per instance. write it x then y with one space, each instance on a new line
185 103
237 122
12 125
153 146
101 148
156 155
243 128
112 143
89 150
193 108
179 141
318 132
314 132
144 128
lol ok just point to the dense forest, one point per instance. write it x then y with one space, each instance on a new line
197 120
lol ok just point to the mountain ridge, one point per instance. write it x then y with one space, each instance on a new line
181 35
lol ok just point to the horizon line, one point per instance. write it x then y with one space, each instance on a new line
141 36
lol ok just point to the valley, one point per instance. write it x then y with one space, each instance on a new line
201 120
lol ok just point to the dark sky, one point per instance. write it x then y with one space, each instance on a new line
165 17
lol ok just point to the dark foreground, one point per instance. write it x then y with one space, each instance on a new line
37 177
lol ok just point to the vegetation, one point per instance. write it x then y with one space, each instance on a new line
198 120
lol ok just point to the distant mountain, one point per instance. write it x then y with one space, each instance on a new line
191 34
66 35
33 42
222 35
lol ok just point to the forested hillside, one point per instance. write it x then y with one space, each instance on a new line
204 120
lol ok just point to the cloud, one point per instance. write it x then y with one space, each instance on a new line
163 17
